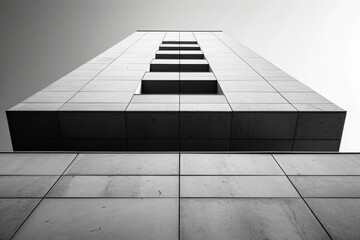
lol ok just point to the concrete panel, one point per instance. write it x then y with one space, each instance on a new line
261 145
319 164
152 125
236 186
93 125
13 212
248 219
153 144
116 186
25 186
229 164
34 164
205 124
34 124
93 144
204 144
125 164
316 145
103 219
327 186
320 125
263 125
338 216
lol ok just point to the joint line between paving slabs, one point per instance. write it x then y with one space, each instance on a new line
62 174
179 227
302 197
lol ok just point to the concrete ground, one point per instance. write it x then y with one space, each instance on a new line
179 196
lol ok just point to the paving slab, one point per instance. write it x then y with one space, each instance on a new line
236 186
248 219
339 216
102 219
125 164
34 164
319 164
229 164
13 213
25 186
116 186
327 186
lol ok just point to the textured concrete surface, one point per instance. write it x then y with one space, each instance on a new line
179 196
116 186
340 216
248 219
13 213
103 219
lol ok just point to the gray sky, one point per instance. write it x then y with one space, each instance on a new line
316 41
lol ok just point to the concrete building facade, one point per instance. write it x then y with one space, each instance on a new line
171 91
176 108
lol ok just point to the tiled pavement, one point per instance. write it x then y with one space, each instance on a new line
179 196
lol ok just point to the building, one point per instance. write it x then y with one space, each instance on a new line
188 91
195 99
